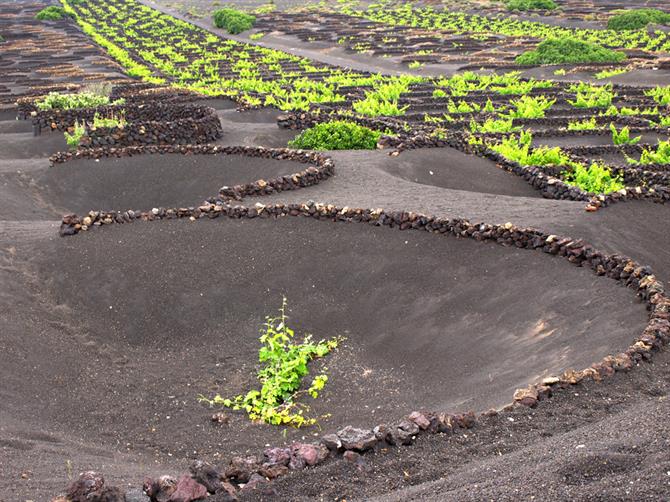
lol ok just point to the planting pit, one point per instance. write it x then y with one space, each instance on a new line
430 322
152 180
451 168
23 145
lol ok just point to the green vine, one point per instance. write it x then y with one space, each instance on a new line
283 367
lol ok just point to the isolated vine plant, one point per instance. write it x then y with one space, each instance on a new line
284 364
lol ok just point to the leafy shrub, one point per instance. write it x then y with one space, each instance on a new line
108 122
661 155
283 366
233 21
528 107
589 96
74 138
338 135
57 101
524 5
583 125
518 149
569 50
491 125
373 106
663 121
660 94
463 106
51 13
597 178
622 137
610 73
637 18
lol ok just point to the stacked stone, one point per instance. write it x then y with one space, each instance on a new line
305 120
321 166
555 188
147 123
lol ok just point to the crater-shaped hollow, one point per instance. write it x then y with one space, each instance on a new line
172 309
450 168
151 180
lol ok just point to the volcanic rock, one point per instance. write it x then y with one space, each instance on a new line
207 475
357 439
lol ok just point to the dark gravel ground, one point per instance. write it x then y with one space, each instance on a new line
86 386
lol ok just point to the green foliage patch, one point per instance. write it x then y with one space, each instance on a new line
108 122
597 178
530 107
51 13
518 149
660 94
592 96
491 125
637 18
623 136
569 50
659 155
524 5
233 21
337 135
583 125
283 367
74 138
57 101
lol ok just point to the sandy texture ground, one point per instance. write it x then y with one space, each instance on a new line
108 337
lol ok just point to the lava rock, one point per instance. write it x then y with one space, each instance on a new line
331 441
188 490
277 456
303 455
527 397
357 439
87 483
242 468
256 482
207 475
161 489
420 419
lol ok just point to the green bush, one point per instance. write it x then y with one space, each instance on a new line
524 5
597 178
636 19
519 149
74 138
569 50
56 101
233 21
51 13
284 365
338 135
661 155
623 137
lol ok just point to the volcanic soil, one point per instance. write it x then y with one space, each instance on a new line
107 338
